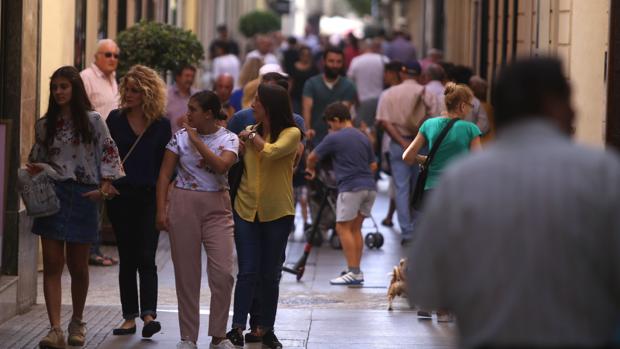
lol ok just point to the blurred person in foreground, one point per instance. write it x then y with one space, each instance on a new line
531 227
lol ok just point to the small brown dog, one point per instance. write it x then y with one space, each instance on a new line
398 285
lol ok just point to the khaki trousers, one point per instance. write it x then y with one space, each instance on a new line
201 219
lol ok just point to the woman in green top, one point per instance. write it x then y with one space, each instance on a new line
463 137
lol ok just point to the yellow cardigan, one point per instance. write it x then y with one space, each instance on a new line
266 189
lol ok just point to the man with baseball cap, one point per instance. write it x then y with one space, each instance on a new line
398 115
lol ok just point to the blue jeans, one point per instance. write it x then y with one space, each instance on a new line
260 252
404 176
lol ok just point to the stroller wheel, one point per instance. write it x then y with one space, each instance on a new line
316 240
334 242
370 240
378 240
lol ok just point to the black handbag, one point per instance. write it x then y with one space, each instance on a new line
417 194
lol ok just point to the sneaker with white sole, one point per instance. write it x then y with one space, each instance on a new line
224 344
348 279
186 345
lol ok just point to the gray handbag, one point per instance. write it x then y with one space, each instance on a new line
38 192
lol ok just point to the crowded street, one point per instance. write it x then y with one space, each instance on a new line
312 314
273 174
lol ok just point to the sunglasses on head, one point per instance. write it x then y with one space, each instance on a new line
110 54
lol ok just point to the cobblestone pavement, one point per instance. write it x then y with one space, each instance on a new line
312 314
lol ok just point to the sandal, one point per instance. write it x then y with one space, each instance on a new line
387 222
102 261
112 260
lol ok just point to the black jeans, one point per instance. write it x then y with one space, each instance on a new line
260 253
132 215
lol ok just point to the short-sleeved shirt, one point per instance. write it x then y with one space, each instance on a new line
352 155
455 143
143 164
193 172
343 91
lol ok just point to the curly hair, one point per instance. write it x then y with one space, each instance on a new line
152 87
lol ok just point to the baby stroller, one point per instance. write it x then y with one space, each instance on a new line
324 188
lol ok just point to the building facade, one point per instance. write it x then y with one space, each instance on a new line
36 38
488 34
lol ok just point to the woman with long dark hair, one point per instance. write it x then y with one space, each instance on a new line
74 141
200 213
264 211
141 133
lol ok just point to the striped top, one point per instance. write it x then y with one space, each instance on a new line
522 242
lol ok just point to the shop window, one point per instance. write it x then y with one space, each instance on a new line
121 19
79 60
102 31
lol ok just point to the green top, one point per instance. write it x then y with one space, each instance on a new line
455 143
322 96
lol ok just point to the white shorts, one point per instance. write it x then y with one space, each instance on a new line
350 203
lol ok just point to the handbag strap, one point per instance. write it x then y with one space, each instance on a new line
133 146
438 141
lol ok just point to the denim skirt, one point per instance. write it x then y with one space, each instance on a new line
78 218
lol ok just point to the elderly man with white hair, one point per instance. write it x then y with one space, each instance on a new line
100 78
102 90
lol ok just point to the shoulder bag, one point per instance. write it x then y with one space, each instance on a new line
417 194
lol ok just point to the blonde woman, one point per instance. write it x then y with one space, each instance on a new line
462 138
141 133
249 72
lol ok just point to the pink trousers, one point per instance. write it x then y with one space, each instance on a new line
201 219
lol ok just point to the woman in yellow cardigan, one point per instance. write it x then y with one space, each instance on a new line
264 211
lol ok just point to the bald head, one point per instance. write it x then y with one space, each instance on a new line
106 56
224 84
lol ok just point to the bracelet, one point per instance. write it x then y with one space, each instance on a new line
105 195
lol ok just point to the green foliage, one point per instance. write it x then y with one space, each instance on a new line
159 46
259 22
362 7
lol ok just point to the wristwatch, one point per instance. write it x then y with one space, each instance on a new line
251 135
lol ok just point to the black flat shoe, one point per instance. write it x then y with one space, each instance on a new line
124 331
150 329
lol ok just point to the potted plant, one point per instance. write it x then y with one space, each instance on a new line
160 46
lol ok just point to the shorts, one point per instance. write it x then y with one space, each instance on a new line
78 218
349 203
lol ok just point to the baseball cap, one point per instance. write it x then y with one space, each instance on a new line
271 68
394 66
412 67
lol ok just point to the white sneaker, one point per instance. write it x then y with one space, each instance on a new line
348 279
186 345
224 344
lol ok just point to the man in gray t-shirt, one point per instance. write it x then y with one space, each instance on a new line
522 240
354 162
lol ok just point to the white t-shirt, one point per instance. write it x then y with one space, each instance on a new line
193 173
227 64
268 58
366 71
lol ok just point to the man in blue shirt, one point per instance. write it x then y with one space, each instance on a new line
354 164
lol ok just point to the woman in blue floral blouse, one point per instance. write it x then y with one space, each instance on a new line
75 141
